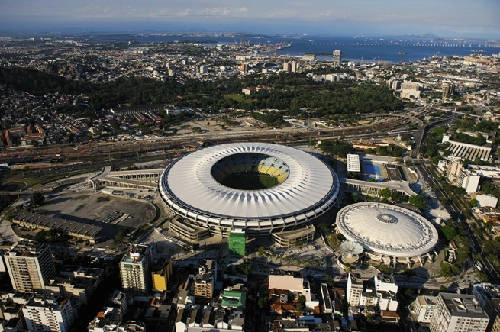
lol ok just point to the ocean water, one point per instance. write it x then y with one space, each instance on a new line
353 49
392 51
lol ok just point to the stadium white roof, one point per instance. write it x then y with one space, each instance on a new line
387 229
188 186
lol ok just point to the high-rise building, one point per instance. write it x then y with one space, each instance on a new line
287 67
30 267
353 163
457 312
47 312
337 57
135 269
488 296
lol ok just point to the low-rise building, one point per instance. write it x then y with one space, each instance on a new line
422 309
162 276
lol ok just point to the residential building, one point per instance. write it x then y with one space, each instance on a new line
422 309
234 298
488 296
372 293
337 57
112 315
456 312
327 300
48 312
204 281
135 269
30 267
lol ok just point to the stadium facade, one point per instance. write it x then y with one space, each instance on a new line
219 188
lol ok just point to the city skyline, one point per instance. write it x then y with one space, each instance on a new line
444 18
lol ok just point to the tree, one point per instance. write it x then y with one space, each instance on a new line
37 198
336 147
449 232
262 302
417 201
385 193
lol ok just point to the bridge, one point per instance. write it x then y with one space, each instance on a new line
373 188
134 179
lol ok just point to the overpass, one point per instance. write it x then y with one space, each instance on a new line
133 179
374 187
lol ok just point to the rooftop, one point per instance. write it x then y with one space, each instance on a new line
233 299
135 254
387 229
463 305
286 282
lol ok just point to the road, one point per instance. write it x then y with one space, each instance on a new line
456 213
122 149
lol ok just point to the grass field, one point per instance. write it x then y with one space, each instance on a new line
250 181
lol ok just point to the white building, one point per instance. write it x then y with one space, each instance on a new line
456 312
353 163
470 183
371 293
486 200
422 309
135 269
30 267
48 313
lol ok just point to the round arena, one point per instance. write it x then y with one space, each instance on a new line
258 187
386 229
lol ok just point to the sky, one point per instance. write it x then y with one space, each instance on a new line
445 18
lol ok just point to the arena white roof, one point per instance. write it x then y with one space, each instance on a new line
387 229
188 186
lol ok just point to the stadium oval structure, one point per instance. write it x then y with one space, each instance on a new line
195 187
387 229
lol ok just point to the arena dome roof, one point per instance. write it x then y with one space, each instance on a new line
387 229
306 187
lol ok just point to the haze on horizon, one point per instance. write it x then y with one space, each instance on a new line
446 18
